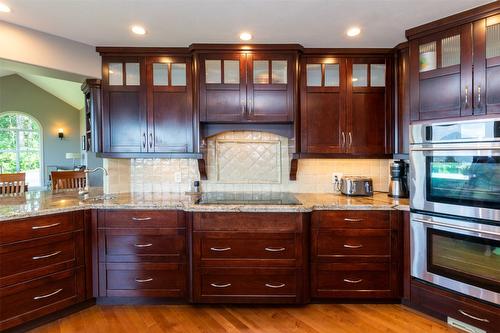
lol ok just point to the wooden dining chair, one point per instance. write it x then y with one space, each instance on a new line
68 179
12 183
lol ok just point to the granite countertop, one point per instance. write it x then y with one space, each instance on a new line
48 202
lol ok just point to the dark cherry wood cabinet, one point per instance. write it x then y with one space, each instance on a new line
346 105
91 89
43 266
402 101
147 104
250 258
356 254
142 253
124 105
455 64
444 304
238 86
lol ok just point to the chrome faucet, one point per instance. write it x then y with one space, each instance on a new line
85 190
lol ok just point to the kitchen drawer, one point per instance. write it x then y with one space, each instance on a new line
337 243
443 304
34 258
261 222
247 246
125 246
146 279
128 218
35 227
351 219
25 301
253 282
351 280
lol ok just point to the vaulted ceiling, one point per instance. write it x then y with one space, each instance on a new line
312 23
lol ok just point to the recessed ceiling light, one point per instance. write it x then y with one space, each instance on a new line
354 31
4 8
245 36
138 30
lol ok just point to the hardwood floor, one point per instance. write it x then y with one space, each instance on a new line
314 318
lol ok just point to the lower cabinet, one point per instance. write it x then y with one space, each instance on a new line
356 254
42 266
443 304
250 258
142 253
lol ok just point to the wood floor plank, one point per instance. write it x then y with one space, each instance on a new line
313 318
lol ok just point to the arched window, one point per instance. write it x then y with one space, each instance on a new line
21 146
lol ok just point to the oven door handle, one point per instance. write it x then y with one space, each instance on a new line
441 224
455 148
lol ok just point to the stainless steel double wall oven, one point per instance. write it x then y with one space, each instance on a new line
455 206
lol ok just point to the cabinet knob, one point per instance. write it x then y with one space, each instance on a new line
353 246
47 295
220 249
141 218
143 245
279 285
144 280
150 140
479 96
36 227
353 281
473 317
46 256
144 140
274 249
466 97
343 139
220 285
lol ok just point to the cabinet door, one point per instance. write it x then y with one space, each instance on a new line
124 105
487 66
270 93
441 74
222 87
369 106
170 115
323 116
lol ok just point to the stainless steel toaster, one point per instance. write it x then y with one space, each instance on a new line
356 186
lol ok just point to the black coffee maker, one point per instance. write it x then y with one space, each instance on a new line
398 186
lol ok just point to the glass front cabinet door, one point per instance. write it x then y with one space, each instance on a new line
487 66
441 65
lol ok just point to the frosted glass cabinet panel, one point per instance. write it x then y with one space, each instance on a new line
160 74
493 37
178 74
280 71
332 76
450 51
213 71
260 71
427 57
377 75
115 73
231 72
360 75
133 76
313 73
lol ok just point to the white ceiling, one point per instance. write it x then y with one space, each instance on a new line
312 23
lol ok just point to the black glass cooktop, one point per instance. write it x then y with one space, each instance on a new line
243 198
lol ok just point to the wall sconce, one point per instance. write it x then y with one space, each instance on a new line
60 133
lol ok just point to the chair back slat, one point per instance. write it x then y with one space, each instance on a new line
68 179
12 183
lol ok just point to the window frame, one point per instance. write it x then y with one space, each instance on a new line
17 151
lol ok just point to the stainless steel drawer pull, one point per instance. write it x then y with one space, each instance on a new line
275 249
353 246
46 256
217 285
45 226
220 249
143 245
279 285
141 218
473 317
144 280
48 295
352 220
353 281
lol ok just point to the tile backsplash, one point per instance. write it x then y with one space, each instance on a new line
240 161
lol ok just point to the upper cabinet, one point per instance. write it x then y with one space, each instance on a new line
147 104
124 105
241 87
346 105
455 65
487 65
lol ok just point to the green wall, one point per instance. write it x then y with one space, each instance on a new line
18 94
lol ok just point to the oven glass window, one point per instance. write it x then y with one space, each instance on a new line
464 180
469 259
